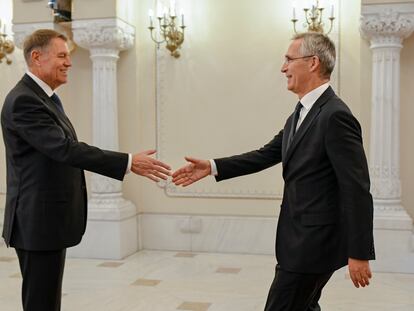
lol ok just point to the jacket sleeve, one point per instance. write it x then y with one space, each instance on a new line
33 122
251 162
346 153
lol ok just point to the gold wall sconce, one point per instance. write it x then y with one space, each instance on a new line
314 18
168 29
6 45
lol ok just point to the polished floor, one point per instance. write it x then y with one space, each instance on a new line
168 281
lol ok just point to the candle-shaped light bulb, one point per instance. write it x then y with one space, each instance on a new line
332 10
172 8
151 15
159 10
294 10
182 17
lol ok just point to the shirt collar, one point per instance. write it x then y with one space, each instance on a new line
43 85
310 98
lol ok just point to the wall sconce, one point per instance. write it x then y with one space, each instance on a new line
168 29
6 45
314 18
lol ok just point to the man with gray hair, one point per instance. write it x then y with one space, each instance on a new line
326 216
46 204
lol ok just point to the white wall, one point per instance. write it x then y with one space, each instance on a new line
223 96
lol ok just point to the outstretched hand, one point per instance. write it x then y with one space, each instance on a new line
144 165
192 172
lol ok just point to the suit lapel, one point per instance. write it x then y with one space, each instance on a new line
61 116
50 105
306 124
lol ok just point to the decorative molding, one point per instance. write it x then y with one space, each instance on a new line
21 31
112 220
161 97
108 34
170 189
386 188
256 235
105 38
208 233
174 191
161 62
387 24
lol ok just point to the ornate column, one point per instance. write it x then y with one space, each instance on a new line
112 225
104 38
386 26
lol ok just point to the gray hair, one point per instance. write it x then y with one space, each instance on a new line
39 39
319 45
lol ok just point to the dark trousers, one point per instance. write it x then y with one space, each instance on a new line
42 273
295 291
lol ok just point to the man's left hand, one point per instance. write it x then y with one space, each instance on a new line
359 272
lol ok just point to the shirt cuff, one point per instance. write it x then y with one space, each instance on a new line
128 169
213 168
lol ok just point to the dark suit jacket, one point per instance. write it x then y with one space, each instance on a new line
46 203
326 214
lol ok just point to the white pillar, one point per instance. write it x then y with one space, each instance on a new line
386 26
112 220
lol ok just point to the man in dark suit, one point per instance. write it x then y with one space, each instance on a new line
326 216
46 203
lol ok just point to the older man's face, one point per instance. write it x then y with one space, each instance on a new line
297 69
54 62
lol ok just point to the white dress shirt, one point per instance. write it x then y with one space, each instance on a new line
48 90
307 102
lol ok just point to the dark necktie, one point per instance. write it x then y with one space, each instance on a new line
57 101
294 123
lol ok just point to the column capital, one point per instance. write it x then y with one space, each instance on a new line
387 25
21 31
103 34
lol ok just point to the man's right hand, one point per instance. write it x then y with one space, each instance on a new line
192 172
144 165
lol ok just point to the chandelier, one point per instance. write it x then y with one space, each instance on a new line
6 45
170 30
314 18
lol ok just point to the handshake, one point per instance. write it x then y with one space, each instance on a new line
143 164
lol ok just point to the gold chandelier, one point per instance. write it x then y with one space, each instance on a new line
169 29
6 45
314 18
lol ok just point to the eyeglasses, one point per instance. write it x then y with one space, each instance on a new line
288 59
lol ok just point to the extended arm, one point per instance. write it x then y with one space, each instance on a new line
238 165
34 124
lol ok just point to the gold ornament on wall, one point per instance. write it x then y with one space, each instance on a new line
314 18
170 28
6 44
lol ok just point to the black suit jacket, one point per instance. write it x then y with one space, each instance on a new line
46 202
326 214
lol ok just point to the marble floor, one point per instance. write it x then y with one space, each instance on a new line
169 281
